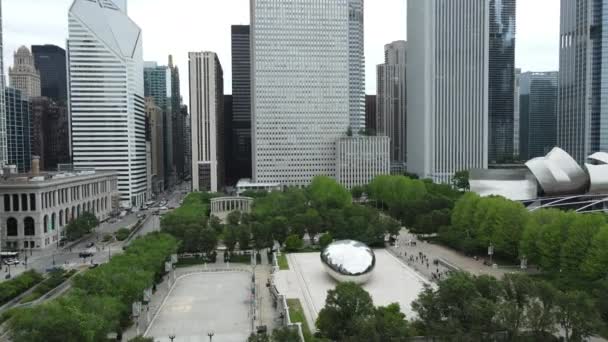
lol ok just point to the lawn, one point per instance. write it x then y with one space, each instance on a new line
296 313
282 260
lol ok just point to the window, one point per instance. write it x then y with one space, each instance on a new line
33 202
15 202
7 202
11 227
29 227
24 202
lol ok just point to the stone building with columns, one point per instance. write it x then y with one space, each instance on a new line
222 206
35 208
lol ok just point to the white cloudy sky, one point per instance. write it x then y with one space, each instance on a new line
178 26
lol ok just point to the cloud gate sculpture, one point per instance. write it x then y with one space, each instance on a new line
349 260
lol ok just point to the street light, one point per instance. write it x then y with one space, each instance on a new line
210 334
172 337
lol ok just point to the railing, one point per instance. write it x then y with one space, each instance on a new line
282 301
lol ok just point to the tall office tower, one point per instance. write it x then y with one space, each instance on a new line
51 63
538 113
154 118
447 97
157 85
300 87
582 122
207 121
501 68
516 115
106 95
239 164
23 75
3 148
229 170
370 114
187 141
50 132
356 55
392 101
177 123
18 124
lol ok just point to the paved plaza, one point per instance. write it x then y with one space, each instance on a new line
392 281
203 302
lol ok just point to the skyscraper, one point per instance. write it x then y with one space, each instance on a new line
157 85
301 86
501 73
155 120
207 121
50 132
391 114
239 164
516 115
18 123
178 120
356 64
106 75
447 95
23 75
371 114
51 63
3 148
538 113
582 122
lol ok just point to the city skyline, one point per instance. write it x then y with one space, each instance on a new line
536 50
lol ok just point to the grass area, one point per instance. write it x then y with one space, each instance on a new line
186 262
12 288
240 258
56 278
296 313
282 260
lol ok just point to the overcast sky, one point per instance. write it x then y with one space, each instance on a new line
178 26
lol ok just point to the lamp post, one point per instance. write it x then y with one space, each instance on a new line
172 337
210 334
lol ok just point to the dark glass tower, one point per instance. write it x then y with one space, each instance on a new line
179 153
370 114
18 127
538 113
50 132
50 61
501 83
238 162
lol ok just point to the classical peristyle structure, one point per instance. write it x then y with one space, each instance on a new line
222 206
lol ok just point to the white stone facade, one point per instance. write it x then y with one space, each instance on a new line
35 211
106 95
23 75
360 159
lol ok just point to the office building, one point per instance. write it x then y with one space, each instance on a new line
106 95
238 166
18 124
154 116
516 115
229 174
362 158
301 86
23 75
50 132
447 96
50 60
538 113
178 121
37 207
370 114
3 142
356 64
207 121
582 122
501 74
187 141
392 100
157 85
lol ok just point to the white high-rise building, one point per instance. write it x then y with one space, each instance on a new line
302 82
447 95
360 159
3 139
106 94
23 75
207 121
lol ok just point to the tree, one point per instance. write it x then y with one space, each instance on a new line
293 243
390 323
244 237
326 193
208 241
258 338
347 307
576 315
517 292
357 192
279 229
460 181
285 334
234 218
325 240
230 237
596 261
540 315
141 339
215 224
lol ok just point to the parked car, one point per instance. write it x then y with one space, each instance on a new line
90 244
11 261
86 254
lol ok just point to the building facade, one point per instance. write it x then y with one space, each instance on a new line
501 65
538 113
392 100
301 79
154 116
447 97
356 64
50 60
187 140
36 209
582 122
371 114
178 121
207 121
50 132
3 133
157 85
24 75
516 115
107 95
19 129
360 159
239 164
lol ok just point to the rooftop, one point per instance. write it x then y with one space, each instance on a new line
49 178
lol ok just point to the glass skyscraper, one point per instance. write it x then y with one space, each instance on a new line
3 151
501 73
51 63
18 123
